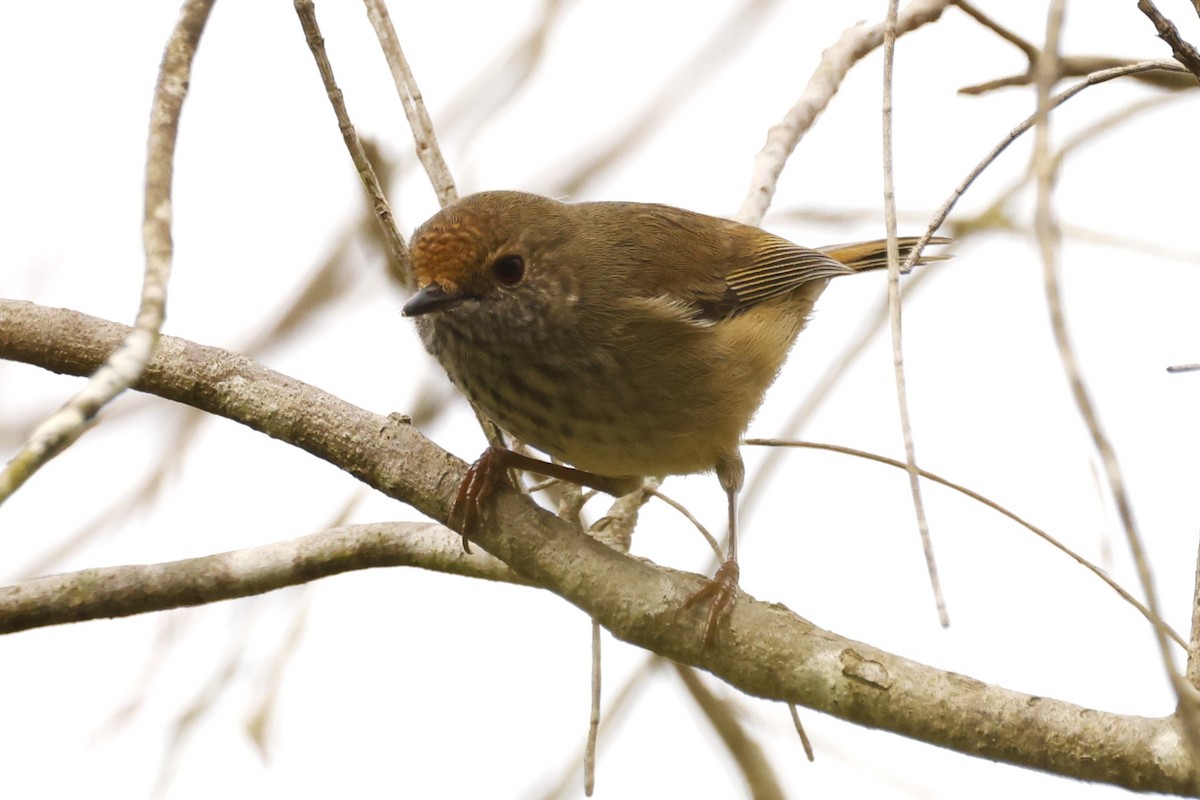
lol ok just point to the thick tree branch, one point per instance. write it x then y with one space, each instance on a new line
766 650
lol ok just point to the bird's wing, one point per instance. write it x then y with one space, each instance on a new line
779 267
775 268
715 267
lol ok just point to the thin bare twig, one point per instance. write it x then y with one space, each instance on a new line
414 106
800 732
894 314
126 364
619 706
593 734
1193 661
1026 47
366 172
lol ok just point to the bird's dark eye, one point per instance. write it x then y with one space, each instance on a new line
509 270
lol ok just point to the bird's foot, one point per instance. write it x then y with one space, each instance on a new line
478 485
490 470
720 592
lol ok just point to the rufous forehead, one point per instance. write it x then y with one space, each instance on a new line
446 254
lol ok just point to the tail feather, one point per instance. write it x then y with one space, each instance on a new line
862 256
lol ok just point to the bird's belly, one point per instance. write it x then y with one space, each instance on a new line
580 406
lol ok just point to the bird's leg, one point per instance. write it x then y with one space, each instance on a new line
491 469
722 589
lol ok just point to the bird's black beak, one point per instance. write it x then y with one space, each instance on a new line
431 298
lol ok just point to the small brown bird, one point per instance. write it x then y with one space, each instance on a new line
626 339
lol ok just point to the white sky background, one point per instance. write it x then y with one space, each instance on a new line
408 683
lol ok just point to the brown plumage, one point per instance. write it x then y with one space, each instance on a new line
625 339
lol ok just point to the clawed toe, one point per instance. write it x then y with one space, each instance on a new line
720 593
481 480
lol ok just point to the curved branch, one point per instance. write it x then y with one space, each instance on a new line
766 650
123 591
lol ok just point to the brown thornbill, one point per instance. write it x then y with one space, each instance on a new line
625 339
